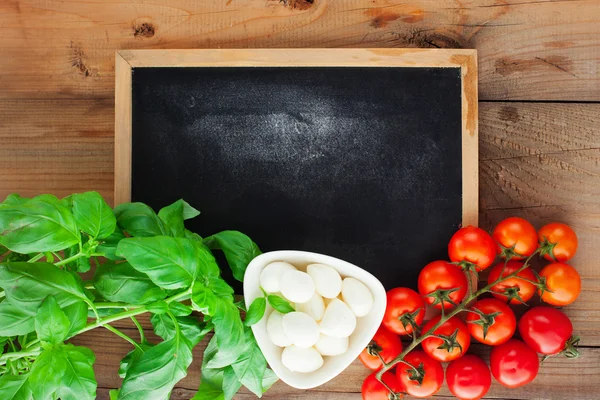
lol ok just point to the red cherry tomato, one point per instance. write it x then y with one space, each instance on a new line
563 283
403 304
430 372
432 345
517 234
514 364
468 377
386 343
473 245
561 242
503 324
372 389
445 276
546 330
523 288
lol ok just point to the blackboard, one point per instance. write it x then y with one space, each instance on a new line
358 162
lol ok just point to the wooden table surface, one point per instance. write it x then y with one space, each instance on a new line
539 81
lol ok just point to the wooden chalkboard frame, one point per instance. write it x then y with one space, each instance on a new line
465 59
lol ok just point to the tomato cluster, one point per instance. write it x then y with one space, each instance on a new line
447 287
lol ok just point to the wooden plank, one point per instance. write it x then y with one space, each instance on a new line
558 377
123 127
56 146
527 49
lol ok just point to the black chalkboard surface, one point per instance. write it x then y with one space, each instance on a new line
361 163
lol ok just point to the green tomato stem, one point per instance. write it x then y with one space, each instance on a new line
122 336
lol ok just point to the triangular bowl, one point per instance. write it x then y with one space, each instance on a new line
365 327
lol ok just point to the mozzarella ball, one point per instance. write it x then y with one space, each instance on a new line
358 296
328 281
270 276
275 330
297 359
338 321
331 346
302 330
315 307
297 286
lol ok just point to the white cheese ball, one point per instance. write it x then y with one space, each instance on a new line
302 330
270 276
339 320
297 286
297 359
328 281
358 296
332 346
315 307
275 330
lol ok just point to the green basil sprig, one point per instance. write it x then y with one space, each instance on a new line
142 262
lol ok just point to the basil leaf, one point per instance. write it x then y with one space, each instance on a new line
27 285
15 321
77 315
15 199
174 215
180 310
256 311
113 394
211 386
159 307
250 367
280 304
14 387
47 372
156 372
131 358
229 331
171 263
140 220
239 250
121 282
51 323
37 226
231 383
93 215
269 379
192 236
190 327
78 381
108 246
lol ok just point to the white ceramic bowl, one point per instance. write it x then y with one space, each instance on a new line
365 326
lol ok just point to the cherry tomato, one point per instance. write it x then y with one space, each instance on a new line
515 286
517 234
514 364
563 283
445 276
473 245
403 305
561 241
468 377
545 329
386 343
427 381
503 324
372 389
434 346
